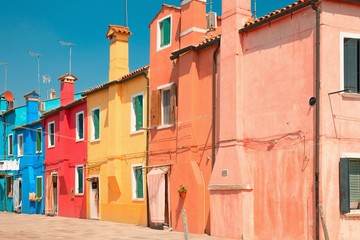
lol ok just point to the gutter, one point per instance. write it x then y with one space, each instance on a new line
317 117
213 98
147 142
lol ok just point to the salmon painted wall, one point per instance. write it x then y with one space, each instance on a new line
339 114
63 162
117 152
187 143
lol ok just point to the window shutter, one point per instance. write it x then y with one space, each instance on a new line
351 64
81 126
155 108
139 112
344 186
96 123
139 183
38 140
354 180
80 179
39 187
173 103
52 132
166 29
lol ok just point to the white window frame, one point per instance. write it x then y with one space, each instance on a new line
20 148
158 35
133 115
49 134
77 126
41 139
76 180
344 35
10 144
92 129
133 182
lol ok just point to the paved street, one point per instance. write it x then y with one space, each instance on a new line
23 226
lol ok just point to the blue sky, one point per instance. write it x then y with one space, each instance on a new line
37 26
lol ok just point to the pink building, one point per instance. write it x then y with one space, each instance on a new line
66 153
183 69
289 110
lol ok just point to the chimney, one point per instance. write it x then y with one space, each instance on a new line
52 94
119 51
67 88
32 106
193 21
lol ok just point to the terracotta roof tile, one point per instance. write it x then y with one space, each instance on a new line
171 6
67 75
117 28
253 20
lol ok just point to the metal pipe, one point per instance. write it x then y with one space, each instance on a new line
317 116
213 98
147 142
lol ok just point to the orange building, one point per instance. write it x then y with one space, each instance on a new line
184 45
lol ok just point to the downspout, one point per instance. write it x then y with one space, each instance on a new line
317 116
147 142
213 98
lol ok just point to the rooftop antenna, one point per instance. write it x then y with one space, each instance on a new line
37 55
6 68
254 8
46 80
67 44
125 13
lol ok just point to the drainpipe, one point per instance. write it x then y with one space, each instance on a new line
147 142
213 97
317 116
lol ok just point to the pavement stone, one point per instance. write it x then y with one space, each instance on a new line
24 226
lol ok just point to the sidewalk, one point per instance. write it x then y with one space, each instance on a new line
22 226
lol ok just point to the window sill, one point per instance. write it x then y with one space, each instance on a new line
353 213
165 126
95 140
79 194
136 132
350 95
51 146
79 140
138 199
159 48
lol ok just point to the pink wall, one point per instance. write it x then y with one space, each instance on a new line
63 158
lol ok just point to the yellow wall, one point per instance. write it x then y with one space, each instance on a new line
118 150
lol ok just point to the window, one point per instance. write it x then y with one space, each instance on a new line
9 186
95 124
79 179
137 112
164 32
137 182
51 134
352 64
10 144
79 126
39 186
349 184
38 140
163 106
20 145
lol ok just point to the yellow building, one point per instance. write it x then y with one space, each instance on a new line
117 115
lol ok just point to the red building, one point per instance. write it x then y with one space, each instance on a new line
66 153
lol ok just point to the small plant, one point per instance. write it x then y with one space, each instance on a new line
182 189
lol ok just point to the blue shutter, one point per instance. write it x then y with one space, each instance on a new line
344 186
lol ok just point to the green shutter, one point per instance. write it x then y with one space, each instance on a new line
344 186
80 173
166 31
139 112
96 115
52 134
39 187
351 64
354 180
38 140
139 183
81 126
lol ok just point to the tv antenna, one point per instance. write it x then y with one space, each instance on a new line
254 8
67 44
37 55
125 13
6 69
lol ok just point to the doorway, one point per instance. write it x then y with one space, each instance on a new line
54 180
94 197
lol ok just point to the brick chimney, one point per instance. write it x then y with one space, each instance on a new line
119 51
193 22
67 88
32 106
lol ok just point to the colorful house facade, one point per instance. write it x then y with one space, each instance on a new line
183 62
288 150
66 153
117 120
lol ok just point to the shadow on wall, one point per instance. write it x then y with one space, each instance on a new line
114 191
